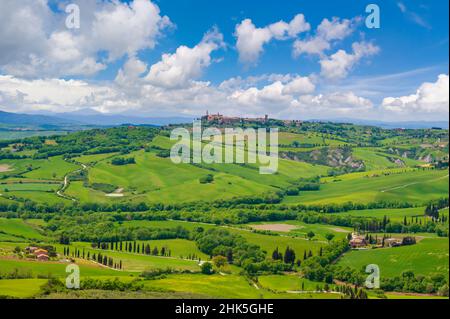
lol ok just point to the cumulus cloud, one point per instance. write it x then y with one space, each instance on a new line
339 64
278 94
121 28
131 71
131 92
51 94
35 42
336 29
430 97
326 32
341 102
186 64
251 39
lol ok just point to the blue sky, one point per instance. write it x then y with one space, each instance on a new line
398 71
406 45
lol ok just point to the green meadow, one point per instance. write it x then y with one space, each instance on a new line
20 228
428 256
134 262
223 286
267 242
375 159
55 168
56 269
21 288
394 214
283 283
411 187
104 196
301 229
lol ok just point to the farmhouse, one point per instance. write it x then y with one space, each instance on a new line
393 242
31 249
42 257
357 241
39 253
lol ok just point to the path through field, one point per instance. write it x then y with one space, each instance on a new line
409 184
60 192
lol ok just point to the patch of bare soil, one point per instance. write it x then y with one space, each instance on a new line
5 168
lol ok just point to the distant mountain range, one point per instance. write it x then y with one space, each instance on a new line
83 118
90 117
26 120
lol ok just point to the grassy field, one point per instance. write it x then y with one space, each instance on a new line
134 262
392 213
21 288
89 159
222 286
153 178
84 194
157 179
20 228
36 196
283 283
266 242
165 224
56 269
286 138
30 187
428 256
11 238
374 159
411 187
179 247
270 243
54 168
301 229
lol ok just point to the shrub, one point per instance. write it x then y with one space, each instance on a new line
118 161
206 179
207 268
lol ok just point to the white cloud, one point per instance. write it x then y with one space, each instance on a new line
34 40
275 96
326 32
186 64
311 46
299 85
125 29
51 95
335 29
131 71
342 102
429 98
339 64
251 40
